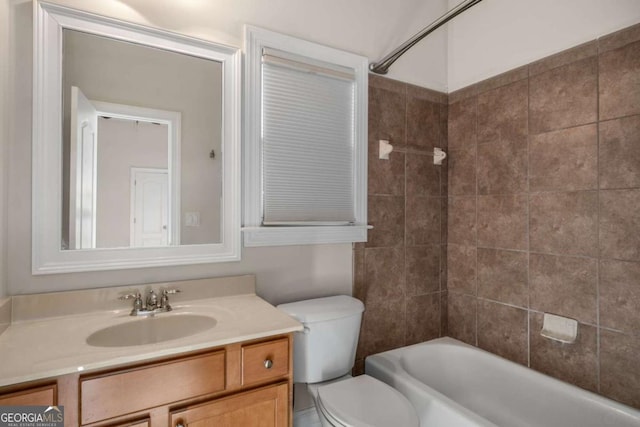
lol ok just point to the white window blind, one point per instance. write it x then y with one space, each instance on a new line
308 141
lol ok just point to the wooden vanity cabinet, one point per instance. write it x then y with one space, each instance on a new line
242 384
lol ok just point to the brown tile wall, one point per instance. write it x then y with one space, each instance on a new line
544 214
400 273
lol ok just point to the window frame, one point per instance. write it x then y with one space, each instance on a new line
254 233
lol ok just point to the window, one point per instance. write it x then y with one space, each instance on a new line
305 147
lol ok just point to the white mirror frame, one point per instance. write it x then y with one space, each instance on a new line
47 255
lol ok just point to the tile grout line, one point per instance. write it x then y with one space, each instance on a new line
441 220
404 240
406 206
365 289
475 278
598 216
528 221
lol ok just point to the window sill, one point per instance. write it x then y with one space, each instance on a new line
305 235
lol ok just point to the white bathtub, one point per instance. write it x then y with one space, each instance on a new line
452 384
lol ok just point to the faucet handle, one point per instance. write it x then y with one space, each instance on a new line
164 301
137 301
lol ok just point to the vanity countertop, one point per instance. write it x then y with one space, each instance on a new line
47 347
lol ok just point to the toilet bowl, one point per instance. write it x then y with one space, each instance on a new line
324 354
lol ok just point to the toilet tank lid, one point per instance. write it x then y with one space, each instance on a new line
320 309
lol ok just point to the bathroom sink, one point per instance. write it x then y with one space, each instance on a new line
151 330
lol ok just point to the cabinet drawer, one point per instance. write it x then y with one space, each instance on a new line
120 393
265 361
45 395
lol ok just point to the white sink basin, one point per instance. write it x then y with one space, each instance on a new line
150 330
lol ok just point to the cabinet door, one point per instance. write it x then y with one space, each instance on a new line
265 407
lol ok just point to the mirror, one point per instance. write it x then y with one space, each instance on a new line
136 146
141 129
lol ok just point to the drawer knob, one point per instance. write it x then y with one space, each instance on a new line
268 363
179 424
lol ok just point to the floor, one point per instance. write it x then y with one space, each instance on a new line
306 418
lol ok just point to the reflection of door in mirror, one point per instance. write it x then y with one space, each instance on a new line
149 213
109 142
151 91
113 148
82 212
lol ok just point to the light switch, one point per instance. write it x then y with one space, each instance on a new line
192 219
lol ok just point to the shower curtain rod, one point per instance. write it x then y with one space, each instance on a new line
382 66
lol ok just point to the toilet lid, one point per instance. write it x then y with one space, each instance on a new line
363 401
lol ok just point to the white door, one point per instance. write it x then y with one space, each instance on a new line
149 207
83 172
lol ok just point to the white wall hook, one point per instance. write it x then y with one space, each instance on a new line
385 149
438 156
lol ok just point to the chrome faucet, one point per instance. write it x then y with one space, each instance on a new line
152 306
152 300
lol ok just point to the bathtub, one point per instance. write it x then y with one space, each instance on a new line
452 384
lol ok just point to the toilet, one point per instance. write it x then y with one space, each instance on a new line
323 356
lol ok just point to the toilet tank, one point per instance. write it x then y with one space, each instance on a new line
326 349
